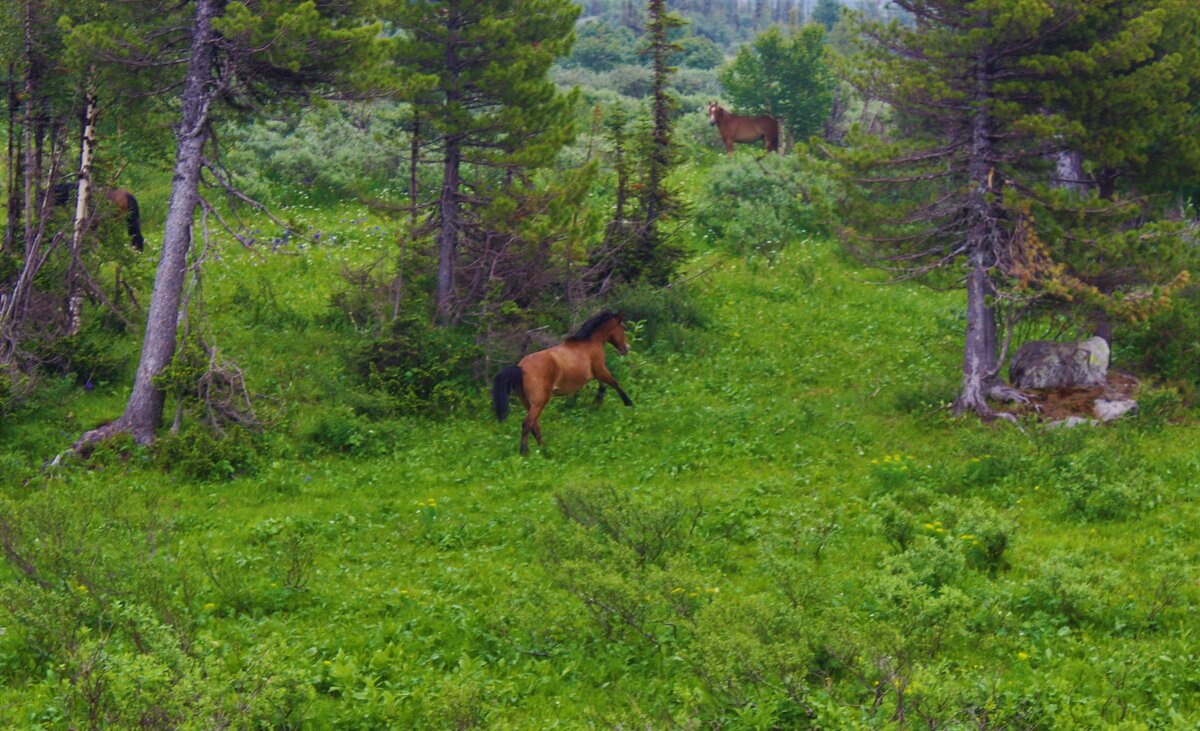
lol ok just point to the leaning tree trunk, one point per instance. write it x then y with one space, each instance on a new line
87 152
144 412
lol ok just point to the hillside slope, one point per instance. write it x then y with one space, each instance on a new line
786 530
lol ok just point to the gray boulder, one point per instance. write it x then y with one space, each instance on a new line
1109 410
1047 364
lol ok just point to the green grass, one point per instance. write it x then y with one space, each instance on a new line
429 579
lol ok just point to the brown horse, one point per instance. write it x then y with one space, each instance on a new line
561 371
743 129
123 200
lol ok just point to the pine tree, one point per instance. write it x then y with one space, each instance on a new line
652 256
491 107
984 94
827 13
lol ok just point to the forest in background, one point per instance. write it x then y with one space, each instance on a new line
288 506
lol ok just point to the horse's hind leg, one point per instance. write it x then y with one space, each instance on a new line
600 394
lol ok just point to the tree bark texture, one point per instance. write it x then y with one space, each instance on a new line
87 152
448 201
14 164
144 411
979 351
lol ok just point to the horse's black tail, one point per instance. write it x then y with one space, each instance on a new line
133 221
773 138
506 380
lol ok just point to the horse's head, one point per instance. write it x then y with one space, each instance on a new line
616 335
712 112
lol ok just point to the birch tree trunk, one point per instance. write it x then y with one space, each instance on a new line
87 152
144 412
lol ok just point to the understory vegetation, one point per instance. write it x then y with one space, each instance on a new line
769 538
791 528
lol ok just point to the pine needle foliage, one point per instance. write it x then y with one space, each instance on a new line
984 95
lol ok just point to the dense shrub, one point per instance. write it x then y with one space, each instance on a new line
93 355
418 368
660 319
334 149
202 453
759 208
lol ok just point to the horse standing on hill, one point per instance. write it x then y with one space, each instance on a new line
561 371
119 197
734 128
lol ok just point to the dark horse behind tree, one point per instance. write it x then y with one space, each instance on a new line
734 128
119 197
561 371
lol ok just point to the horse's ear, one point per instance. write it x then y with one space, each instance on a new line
621 316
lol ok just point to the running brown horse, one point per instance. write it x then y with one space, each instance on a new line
734 128
125 203
561 371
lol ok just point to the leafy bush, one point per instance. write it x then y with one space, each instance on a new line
1068 590
759 208
1096 485
985 535
92 356
669 318
202 453
418 368
336 149
340 429
600 46
1168 344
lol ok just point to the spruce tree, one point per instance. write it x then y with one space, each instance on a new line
827 13
984 94
490 106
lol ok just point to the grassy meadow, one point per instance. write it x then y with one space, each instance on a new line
787 530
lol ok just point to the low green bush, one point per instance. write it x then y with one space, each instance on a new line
418 368
661 319
758 208
202 453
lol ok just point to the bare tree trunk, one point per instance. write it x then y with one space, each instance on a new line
447 238
31 166
144 412
1068 169
87 151
979 350
14 164
414 160
448 202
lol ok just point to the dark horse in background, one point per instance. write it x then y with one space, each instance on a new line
121 198
561 371
734 128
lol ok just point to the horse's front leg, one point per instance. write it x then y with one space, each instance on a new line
607 378
600 394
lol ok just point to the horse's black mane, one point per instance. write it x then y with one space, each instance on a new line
586 329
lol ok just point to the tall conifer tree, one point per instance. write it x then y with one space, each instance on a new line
984 94
491 106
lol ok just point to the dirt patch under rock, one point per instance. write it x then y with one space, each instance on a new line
1054 404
